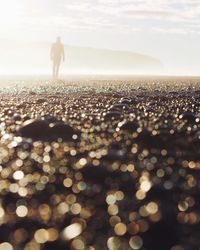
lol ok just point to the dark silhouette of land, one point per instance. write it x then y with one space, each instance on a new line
57 54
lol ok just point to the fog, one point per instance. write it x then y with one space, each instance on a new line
33 58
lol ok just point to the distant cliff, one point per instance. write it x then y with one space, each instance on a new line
110 60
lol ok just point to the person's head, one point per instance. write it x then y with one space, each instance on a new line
58 40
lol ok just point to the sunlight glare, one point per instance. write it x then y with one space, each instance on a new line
9 12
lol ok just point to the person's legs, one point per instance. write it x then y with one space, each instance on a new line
54 69
57 67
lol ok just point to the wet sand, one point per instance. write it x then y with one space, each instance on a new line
100 164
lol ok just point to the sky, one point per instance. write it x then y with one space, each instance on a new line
166 29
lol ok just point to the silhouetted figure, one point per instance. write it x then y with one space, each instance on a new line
57 54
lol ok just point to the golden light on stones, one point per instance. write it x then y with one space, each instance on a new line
41 236
71 199
145 185
113 243
110 199
120 229
18 175
14 188
67 182
44 212
82 162
19 162
46 158
114 220
72 231
53 234
183 206
32 245
136 242
78 244
133 228
22 191
21 211
73 152
143 212
113 209
119 195
2 212
134 149
160 173
81 185
76 208
191 218
63 208
152 208
140 195
85 213
6 246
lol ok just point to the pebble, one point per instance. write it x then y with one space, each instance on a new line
47 128
34 129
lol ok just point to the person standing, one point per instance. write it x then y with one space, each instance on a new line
57 54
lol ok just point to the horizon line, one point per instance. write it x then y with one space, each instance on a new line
74 75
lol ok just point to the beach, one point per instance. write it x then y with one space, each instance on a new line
100 164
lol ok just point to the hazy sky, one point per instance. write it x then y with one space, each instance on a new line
166 29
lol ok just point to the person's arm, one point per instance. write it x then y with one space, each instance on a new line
63 53
51 53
